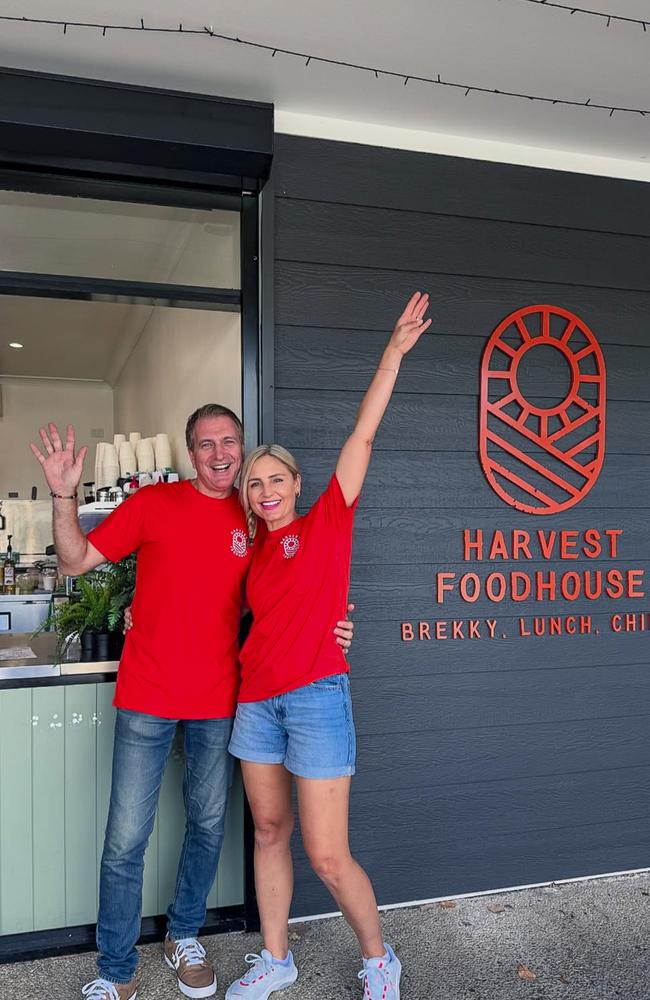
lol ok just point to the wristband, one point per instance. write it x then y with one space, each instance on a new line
59 496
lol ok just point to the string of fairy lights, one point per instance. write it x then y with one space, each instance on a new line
606 17
208 32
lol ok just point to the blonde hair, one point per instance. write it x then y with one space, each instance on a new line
275 451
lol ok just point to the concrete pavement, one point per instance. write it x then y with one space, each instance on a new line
582 941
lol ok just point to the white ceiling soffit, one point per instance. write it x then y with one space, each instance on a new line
67 339
515 45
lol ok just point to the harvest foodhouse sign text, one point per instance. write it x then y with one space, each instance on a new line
541 456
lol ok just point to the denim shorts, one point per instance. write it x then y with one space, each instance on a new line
310 730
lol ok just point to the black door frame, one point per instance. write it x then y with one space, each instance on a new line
73 172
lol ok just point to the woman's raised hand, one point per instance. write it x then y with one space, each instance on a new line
411 324
352 465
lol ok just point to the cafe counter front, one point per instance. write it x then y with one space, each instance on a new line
56 743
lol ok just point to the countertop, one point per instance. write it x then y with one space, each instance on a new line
43 666
33 595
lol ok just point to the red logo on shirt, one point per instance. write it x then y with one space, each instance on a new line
290 544
541 458
239 543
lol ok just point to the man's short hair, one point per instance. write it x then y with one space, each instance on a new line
211 410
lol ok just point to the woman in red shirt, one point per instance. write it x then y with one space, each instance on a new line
294 717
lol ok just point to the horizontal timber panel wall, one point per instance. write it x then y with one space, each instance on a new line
409 181
316 419
600 647
458 863
327 295
449 480
408 241
520 757
446 364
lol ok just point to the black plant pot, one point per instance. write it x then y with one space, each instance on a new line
103 646
88 645
97 646
116 644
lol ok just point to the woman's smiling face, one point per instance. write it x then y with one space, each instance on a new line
272 492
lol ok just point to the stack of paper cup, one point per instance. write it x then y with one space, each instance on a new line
119 439
163 452
107 466
101 447
111 465
128 464
134 437
145 455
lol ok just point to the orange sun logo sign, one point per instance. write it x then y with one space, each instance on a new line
542 455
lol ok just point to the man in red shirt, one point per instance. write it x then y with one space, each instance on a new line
180 663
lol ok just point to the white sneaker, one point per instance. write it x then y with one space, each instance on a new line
380 977
263 978
103 989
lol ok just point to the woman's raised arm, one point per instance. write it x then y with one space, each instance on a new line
354 459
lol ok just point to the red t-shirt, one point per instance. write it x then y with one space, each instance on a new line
180 659
297 589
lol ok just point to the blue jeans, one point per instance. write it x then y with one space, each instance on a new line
140 753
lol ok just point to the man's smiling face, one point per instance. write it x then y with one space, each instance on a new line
216 454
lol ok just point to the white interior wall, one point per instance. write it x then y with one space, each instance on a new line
184 358
27 404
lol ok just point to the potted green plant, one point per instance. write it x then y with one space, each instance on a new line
121 585
96 612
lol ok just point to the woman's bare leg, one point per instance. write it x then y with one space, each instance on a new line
323 807
268 787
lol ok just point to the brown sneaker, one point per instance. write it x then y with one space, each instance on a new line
194 974
102 989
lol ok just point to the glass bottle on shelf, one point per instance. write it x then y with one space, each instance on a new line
9 570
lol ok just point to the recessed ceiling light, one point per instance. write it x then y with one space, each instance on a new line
14 343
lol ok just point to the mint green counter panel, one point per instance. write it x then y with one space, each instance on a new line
16 875
79 783
48 807
56 747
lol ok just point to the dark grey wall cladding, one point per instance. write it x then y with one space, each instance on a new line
487 762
